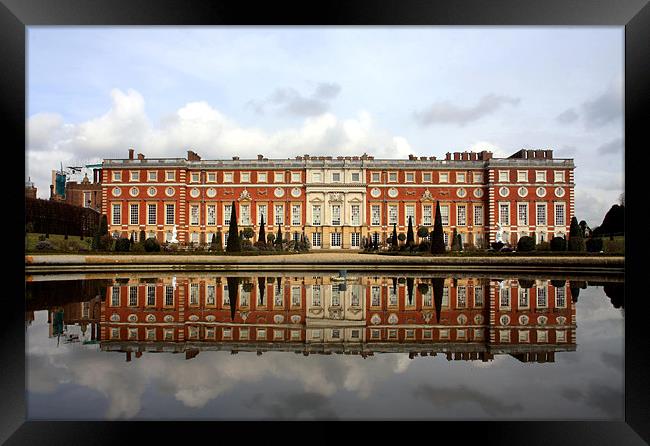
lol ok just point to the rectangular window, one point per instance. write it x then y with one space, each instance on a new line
245 214
410 177
133 333
315 295
375 215
504 335
211 295
522 214
426 297
355 177
354 334
261 211
444 215
336 177
354 298
461 215
151 295
212 214
375 296
194 294
87 200
477 177
560 297
559 215
336 239
523 298
522 176
559 176
244 297
376 177
504 176
227 333
355 240
115 333
445 297
169 214
541 215
195 177
392 296
444 333
117 214
115 297
316 239
133 214
392 177
170 175
278 177
117 176
355 214
461 297
227 212
375 334
336 295
279 214
504 213
427 214
210 332
261 177
540 176
392 214
560 336
227 177
226 297
336 214
151 214
505 298
443 177
542 336
478 296
212 177
278 296
316 177
426 177
295 296
478 215
541 296
278 335
133 296
460 177
194 214
245 177
134 175
296 215
169 296
315 215
409 212
243 334
295 177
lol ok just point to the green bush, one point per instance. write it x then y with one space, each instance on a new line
401 237
137 247
423 232
558 244
526 244
542 246
122 244
152 245
44 245
576 244
497 245
594 244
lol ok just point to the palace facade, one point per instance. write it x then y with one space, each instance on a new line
336 202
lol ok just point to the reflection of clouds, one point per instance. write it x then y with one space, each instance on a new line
445 397
295 405
607 399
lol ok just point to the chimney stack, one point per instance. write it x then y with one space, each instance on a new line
140 156
192 156
260 157
448 156
131 151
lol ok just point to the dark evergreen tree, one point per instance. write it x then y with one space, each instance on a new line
278 239
375 242
143 236
102 230
437 285
393 239
234 243
576 241
262 237
410 235
132 238
437 236
454 241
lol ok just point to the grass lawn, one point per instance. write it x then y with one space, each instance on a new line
57 240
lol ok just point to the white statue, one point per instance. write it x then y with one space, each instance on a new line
499 234
174 233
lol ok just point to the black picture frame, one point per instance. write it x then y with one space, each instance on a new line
634 15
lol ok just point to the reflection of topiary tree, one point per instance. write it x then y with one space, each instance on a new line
423 288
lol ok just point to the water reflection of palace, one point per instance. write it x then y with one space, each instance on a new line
464 319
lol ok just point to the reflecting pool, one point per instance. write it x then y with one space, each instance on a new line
341 345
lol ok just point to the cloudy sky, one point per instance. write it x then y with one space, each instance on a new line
93 92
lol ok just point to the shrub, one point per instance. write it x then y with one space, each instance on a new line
542 246
41 238
558 244
423 288
122 244
44 245
594 244
497 245
137 247
526 244
106 242
69 245
248 233
152 245
423 232
577 244
401 237
424 246
270 238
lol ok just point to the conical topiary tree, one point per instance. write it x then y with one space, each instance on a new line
262 237
437 236
410 236
393 240
278 239
234 243
576 241
454 241
460 242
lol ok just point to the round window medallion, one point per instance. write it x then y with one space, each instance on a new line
211 192
541 320
151 191
279 192
375 319
462 319
210 318
295 192
478 193
392 192
375 193
541 192
561 320
559 192
461 193
134 192
193 318
117 191
522 191
278 318
523 319
194 193
478 319
133 318
392 319
115 317
150 318
504 192
169 318
170 192
504 320
295 319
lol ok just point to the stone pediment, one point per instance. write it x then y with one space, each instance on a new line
426 195
335 196
245 195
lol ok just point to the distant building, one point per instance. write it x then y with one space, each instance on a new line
30 189
82 193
